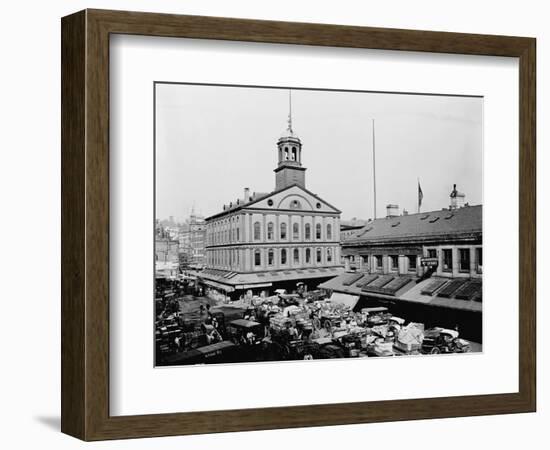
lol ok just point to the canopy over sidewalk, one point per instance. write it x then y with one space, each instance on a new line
345 299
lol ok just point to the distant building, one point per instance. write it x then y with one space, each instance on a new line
264 241
348 231
166 257
197 241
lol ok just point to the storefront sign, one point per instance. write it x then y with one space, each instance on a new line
429 262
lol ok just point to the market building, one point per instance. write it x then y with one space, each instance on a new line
428 265
265 241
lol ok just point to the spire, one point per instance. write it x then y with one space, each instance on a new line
289 128
289 168
289 132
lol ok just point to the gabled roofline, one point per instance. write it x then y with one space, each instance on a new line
263 197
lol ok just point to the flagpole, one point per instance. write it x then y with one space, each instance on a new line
418 189
374 166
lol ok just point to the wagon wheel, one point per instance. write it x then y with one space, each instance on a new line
308 357
435 351
316 323
327 324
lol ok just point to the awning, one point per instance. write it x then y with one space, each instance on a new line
252 286
221 286
346 299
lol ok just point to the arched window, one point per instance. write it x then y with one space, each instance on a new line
318 231
293 153
329 255
295 231
286 153
308 231
257 258
270 257
283 256
256 231
283 230
296 256
270 231
329 232
319 255
308 256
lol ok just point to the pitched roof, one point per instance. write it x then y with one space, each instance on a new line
466 220
409 292
262 196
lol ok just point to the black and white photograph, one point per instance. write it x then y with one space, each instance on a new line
296 224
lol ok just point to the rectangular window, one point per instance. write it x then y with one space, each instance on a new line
412 263
447 260
394 262
479 260
319 257
432 253
464 254
377 262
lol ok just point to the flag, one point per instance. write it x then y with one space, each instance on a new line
420 196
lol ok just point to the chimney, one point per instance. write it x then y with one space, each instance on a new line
392 211
457 199
246 194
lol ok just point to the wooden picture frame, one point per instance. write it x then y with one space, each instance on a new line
85 224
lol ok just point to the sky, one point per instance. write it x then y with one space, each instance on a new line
213 141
